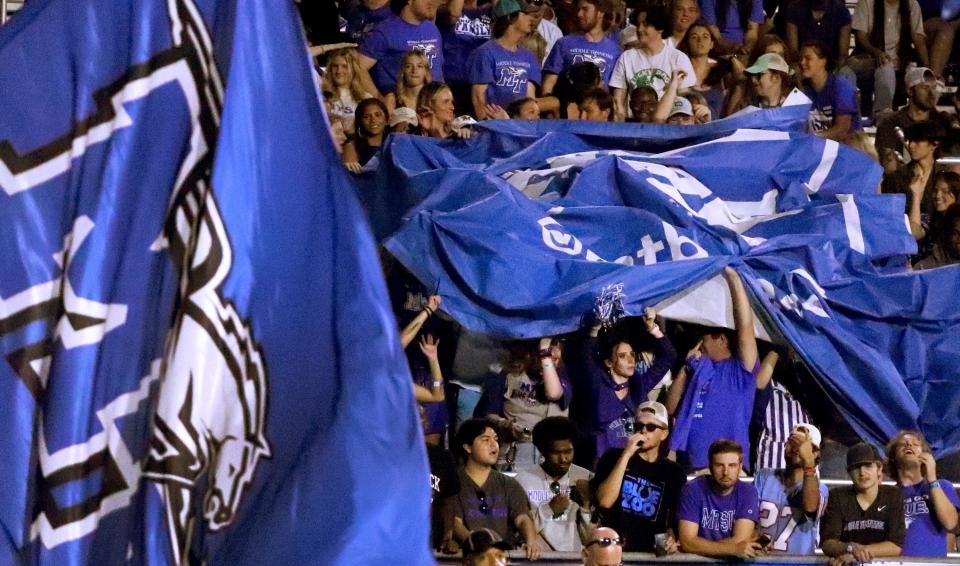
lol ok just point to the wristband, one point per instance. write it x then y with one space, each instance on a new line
811 471
429 311
935 485
546 365
437 384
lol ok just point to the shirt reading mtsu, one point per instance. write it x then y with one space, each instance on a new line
390 39
717 514
925 536
506 73
577 48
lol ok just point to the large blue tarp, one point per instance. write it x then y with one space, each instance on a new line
524 225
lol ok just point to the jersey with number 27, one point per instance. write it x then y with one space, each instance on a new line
791 531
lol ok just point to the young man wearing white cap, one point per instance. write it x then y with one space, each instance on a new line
923 90
792 498
637 490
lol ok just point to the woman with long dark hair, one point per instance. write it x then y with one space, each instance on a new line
371 125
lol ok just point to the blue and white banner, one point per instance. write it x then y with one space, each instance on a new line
197 358
522 244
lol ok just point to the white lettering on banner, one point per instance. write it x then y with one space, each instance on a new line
792 302
556 239
648 250
677 242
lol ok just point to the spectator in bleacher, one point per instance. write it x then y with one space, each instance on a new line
792 497
734 24
465 26
484 547
772 80
723 372
718 512
531 387
414 73
557 487
502 69
643 103
595 104
619 386
638 490
487 498
916 178
573 81
883 51
592 44
862 521
545 34
923 91
826 22
929 505
683 14
652 63
674 109
946 192
343 80
940 34
524 109
411 27
605 548
773 43
371 127
835 114
435 113
444 487
947 249
403 121
777 412
711 74
364 16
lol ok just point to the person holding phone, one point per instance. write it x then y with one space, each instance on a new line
929 505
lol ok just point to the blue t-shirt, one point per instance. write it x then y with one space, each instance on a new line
571 49
825 31
837 98
782 517
717 514
506 73
925 536
730 29
461 39
717 403
361 20
391 39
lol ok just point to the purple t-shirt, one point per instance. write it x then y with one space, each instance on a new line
837 98
361 20
391 39
730 29
717 514
571 49
506 73
925 536
461 39
717 403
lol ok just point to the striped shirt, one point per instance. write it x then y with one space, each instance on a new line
782 414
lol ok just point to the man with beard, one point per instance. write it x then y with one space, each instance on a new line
923 90
792 498
592 44
557 487
637 489
487 498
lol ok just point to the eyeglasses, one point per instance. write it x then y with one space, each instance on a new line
484 507
555 488
649 427
604 542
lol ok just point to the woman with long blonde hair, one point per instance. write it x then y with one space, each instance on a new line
414 73
343 80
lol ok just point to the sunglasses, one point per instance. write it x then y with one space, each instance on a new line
649 427
482 497
604 542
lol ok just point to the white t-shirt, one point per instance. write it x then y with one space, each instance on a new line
863 21
561 532
635 68
550 33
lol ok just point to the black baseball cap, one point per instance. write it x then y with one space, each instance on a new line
861 453
482 540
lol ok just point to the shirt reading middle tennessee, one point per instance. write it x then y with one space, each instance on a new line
506 73
577 48
714 513
391 39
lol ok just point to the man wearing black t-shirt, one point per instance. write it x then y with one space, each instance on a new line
863 521
444 486
638 490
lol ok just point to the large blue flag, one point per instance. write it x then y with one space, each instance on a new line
525 225
197 359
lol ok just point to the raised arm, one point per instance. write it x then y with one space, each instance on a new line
552 387
428 345
411 330
665 104
743 319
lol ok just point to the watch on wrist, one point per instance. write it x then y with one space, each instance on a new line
849 548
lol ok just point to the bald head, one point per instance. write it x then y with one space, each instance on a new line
600 551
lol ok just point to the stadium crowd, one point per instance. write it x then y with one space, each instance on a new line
585 442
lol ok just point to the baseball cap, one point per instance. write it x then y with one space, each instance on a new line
918 75
656 410
681 106
628 37
403 114
769 62
861 453
507 7
812 431
482 540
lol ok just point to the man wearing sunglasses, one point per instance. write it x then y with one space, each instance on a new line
604 548
638 490
487 498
